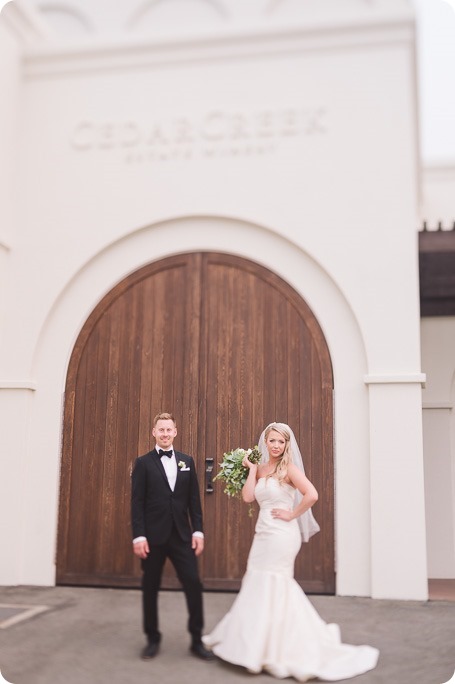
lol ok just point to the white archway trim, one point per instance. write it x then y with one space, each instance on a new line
202 233
266 247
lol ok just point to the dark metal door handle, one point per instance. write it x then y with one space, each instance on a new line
208 475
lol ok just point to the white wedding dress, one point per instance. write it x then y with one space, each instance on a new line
272 625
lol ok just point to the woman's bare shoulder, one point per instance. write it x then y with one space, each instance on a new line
262 470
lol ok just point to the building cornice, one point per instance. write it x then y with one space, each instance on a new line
18 385
125 54
274 29
437 405
395 379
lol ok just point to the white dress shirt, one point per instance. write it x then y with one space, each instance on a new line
170 467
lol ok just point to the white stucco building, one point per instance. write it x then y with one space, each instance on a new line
281 132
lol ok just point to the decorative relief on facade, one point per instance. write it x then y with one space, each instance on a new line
87 21
67 21
154 15
276 5
214 134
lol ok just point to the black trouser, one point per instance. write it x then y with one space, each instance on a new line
184 561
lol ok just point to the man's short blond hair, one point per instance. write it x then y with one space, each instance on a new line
164 416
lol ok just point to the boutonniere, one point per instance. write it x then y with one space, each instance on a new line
182 465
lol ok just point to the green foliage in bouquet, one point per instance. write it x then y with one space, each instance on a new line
232 472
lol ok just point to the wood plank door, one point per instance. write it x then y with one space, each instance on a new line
227 346
137 353
264 359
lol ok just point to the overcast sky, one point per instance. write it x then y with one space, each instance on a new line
436 65
436 57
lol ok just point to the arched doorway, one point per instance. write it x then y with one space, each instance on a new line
227 346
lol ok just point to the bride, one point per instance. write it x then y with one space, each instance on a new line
271 625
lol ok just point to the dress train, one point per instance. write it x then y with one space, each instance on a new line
272 625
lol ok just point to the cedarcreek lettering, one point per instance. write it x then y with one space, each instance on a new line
216 133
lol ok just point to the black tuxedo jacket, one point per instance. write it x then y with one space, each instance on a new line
155 508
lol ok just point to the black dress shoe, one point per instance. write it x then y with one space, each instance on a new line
150 650
199 650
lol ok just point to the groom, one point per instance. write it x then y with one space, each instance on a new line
167 523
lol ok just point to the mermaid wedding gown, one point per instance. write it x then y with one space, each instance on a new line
272 625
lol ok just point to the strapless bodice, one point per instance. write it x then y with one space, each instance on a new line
270 493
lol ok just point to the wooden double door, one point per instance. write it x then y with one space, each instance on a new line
226 346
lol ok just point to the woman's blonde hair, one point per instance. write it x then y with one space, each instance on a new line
281 468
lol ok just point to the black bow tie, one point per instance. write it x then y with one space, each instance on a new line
164 453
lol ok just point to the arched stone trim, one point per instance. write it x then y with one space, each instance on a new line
316 287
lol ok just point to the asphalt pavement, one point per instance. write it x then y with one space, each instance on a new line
69 635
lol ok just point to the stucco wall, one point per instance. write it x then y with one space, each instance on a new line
438 360
296 148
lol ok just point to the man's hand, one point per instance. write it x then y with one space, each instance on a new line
197 543
141 549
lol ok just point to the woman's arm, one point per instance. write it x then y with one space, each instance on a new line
250 484
307 490
305 487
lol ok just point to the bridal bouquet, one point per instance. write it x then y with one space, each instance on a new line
233 472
